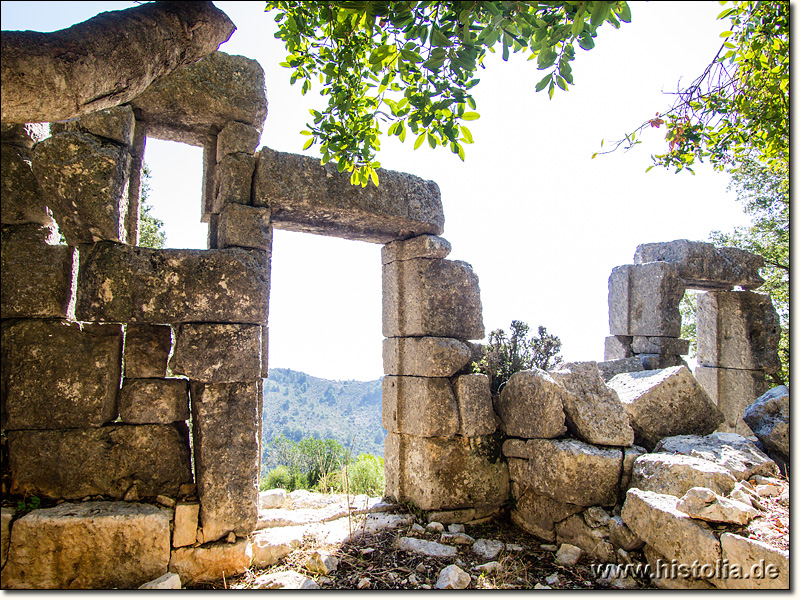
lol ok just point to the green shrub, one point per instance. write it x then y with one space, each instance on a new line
364 476
282 477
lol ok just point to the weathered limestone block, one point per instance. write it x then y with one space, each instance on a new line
244 227
186 519
703 266
423 246
538 514
154 401
629 456
308 197
675 474
234 179
22 135
147 349
621 536
737 330
115 124
660 345
133 217
654 362
168 581
237 138
210 562
121 53
217 352
768 417
732 390
6 515
421 406
88 545
531 405
611 368
196 101
705 504
36 278
593 411
475 412
594 541
226 456
60 374
671 575
643 299
445 473
100 461
617 347
264 351
122 284
275 543
21 198
85 181
665 403
424 356
431 297
569 471
730 450
655 519
749 553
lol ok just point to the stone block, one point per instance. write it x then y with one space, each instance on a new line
147 349
308 197
475 413
665 403
36 278
217 352
209 188
85 181
420 406
237 138
60 374
675 474
611 368
594 541
6 516
424 356
115 124
749 553
655 519
244 227
127 284
194 102
704 267
643 300
629 456
654 362
22 135
531 405
538 514
423 246
264 351
158 401
768 417
88 545
226 456
168 581
21 199
445 473
234 180
617 347
737 330
570 471
642 344
275 543
212 561
186 520
431 297
732 390
593 410
104 461
730 450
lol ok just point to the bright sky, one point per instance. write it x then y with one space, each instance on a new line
540 221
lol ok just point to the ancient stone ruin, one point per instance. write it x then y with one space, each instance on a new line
131 377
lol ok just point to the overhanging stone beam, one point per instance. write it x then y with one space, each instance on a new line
306 196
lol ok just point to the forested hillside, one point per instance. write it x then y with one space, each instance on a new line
298 406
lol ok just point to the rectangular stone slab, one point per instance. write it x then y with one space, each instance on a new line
147 349
308 197
732 390
60 374
100 461
217 352
422 406
118 283
643 300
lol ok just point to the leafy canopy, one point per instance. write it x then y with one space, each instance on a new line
508 354
412 65
738 108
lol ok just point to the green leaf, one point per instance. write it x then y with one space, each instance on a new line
599 13
471 116
467 135
623 12
561 83
440 39
420 139
543 83
410 55
374 175
431 141
308 144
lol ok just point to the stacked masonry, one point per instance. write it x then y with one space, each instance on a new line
737 331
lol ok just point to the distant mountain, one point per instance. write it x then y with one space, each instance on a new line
298 405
